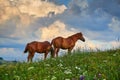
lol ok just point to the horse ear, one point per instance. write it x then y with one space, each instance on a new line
80 32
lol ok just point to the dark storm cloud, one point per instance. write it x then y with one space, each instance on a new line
7 28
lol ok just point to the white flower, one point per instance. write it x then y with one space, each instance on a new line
60 65
47 64
61 60
84 73
53 78
104 61
6 74
114 55
77 68
17 77
68 71
67 79
30 68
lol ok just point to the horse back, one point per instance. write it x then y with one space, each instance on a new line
64 43
56 42
42 47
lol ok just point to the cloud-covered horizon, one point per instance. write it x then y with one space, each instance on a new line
23 21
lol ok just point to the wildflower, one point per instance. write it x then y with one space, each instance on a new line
30 68
6 74
114 54
77 68
60 65
104 61
84 73
67 79
68 71
14 71
82 77
47 65
54 78
99 75
17 77
61 60
53 59
95 78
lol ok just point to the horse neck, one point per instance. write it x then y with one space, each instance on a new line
73 38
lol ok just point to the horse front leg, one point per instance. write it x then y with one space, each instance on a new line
56 50
45 55
69 50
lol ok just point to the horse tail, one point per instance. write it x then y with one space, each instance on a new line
26 48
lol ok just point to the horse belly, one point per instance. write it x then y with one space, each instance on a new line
40 51
66 44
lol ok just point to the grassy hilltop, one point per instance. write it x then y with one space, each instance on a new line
101 65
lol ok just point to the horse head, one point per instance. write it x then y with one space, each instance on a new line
80 36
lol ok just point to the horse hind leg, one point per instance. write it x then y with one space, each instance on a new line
29 57
57 50
69 50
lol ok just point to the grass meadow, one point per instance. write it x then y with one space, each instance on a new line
99 65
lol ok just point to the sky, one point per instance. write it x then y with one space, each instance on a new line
23 21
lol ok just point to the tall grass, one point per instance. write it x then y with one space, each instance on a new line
101 65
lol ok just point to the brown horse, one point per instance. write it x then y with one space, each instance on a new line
66 43
39 47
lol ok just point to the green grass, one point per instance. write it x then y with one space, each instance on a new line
101 65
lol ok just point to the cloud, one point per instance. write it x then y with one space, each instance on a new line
27 10
17 17
97 45
39 8
58 28
115 24
76 7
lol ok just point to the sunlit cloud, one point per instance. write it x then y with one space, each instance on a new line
25 10
58 28
39 8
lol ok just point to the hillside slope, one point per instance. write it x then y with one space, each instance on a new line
79 65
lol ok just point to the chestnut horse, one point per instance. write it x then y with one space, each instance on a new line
66 43
39 47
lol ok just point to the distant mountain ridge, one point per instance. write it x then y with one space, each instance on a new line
2 61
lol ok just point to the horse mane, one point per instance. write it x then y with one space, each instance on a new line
74 35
